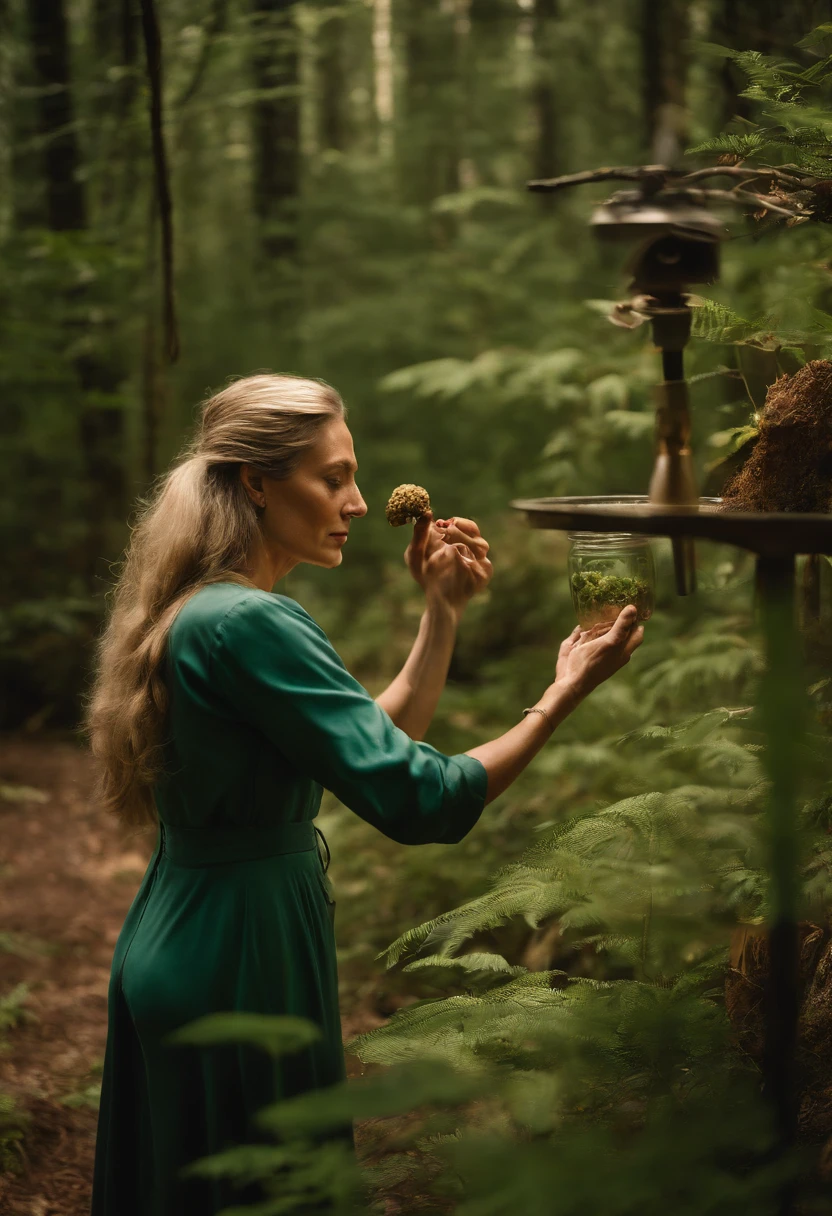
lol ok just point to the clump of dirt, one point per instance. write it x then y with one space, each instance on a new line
790 468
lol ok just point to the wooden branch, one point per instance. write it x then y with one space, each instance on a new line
745 173
624 173
738 195
153 50
657 176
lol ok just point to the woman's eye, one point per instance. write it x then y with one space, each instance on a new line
332 482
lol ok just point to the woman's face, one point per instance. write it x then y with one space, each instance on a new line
307 516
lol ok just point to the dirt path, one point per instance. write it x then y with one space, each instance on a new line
67 877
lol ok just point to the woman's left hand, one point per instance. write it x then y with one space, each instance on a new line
449 559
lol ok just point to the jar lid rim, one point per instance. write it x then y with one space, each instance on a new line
615 538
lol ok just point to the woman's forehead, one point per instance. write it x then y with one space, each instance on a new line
334 445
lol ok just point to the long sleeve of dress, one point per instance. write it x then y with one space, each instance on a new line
278 671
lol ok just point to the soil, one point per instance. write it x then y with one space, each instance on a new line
69 874
790 465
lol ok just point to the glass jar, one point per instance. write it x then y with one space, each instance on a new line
607 571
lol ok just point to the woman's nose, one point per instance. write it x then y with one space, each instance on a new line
358 507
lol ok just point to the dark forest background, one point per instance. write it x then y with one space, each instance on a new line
347 191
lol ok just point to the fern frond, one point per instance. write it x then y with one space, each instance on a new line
715 322
474 964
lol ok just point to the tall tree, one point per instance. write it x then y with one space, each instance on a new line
664 26
492 112
545 161
114 142
275 125
96 362
332 81
64 191
429 145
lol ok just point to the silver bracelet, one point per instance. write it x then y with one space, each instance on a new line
536 709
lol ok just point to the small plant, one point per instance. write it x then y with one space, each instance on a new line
13 1124
599 598
13 1008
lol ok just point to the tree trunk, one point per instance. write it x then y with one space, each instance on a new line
429 151
383 75
332 88
664 26
7 139
65 201
101 421
493 103
275 126
113 144
544 102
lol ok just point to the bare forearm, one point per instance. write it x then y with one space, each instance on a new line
505 758
411 698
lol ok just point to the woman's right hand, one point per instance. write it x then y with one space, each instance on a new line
586 659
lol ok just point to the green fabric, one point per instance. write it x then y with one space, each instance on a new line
235 910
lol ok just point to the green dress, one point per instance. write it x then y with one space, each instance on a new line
235 910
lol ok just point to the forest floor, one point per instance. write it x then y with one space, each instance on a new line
68 874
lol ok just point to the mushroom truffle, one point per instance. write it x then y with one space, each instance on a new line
407 502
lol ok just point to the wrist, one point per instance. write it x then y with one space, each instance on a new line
439 609
563 695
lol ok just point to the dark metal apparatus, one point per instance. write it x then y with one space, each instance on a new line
674 243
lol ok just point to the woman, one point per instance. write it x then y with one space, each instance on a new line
220 710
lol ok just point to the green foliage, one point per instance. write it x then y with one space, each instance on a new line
13 1009
274 1035
796 121
13 1125
89 1096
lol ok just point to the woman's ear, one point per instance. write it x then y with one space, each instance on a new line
253 485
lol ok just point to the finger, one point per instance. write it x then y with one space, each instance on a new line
572 637
622 626
568 644
468 526
595 632
634 640
482 572
486 569
455 535
421 531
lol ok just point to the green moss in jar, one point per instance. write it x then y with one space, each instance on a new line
596 594
608 571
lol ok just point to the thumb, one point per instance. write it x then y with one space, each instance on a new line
624 622
421 531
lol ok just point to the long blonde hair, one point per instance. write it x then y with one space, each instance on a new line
198 527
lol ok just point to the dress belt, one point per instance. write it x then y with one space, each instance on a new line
219 846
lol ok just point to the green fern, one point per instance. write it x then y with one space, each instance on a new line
715 322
